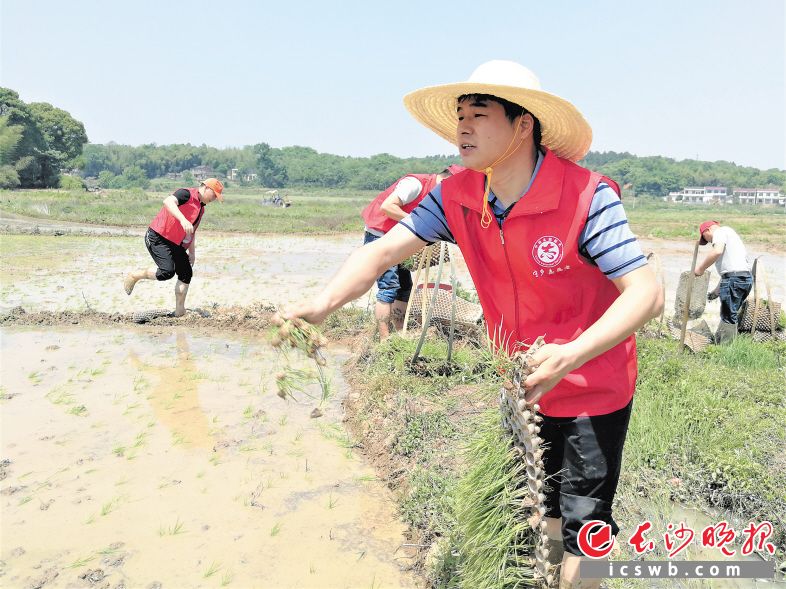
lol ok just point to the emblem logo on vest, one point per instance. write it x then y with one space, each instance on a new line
548 251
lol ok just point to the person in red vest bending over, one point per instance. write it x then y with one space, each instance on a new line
380 216
171 239
549 249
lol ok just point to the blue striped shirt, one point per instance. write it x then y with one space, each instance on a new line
606 240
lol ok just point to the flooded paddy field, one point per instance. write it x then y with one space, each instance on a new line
85 272
159 457
69 272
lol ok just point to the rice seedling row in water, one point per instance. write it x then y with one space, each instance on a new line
173 530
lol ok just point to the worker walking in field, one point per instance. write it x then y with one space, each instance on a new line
171 239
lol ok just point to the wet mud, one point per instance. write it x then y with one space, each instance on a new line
160 456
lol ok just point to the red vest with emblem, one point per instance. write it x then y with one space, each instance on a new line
379 221
532 281
169 228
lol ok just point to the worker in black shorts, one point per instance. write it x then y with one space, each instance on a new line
171 239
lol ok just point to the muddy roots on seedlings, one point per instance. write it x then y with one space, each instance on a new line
300 335
523 421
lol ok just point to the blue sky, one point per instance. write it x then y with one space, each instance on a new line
676 78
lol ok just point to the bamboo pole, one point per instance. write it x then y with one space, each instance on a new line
427 319
755 295
421 261
691 280
453 287
770 306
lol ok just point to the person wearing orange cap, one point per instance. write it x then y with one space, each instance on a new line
171 239
731 261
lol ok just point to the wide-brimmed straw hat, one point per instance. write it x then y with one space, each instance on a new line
564 129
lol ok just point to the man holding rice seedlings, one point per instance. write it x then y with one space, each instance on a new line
391 205
171 239
550 252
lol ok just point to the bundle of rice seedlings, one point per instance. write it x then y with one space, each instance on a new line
495 541
306 338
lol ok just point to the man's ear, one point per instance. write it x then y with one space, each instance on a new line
527 125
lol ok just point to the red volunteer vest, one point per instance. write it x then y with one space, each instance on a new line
169 228
379 221
532 281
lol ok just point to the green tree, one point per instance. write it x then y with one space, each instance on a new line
106 179
51 138
10 136
271 173
134 177
63 134
31 147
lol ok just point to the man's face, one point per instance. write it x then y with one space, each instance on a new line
483 133
208 195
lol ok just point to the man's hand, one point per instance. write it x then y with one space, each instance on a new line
697 272
551 362
187 227
312 311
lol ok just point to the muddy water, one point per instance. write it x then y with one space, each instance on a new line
140 457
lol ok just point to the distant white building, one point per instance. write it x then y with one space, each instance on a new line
769 196
745 196
759 196
700 195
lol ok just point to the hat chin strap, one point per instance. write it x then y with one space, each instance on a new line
485 216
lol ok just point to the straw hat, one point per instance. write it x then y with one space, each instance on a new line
564 129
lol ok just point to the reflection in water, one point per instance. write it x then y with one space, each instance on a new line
174 397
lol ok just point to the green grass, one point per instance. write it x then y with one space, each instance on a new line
654 219
313 211
326 211
80 562
716 422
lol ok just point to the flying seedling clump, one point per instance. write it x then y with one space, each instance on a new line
303 336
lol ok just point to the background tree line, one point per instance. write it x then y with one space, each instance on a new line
37 142
304 166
